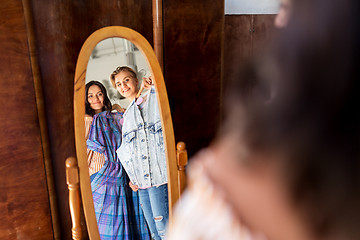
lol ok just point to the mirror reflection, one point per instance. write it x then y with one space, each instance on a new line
125 146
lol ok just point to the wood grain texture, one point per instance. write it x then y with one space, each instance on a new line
61 27
264 31
245 36
193 33
157 12
42 119
72 180
24 202
237 44
182 161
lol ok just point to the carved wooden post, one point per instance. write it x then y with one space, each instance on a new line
182 160
72 179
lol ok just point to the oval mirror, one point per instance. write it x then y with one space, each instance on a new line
102 53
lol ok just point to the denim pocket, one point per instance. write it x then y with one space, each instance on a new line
129 145
156 129
129 136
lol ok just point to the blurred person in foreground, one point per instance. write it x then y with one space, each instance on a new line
283 16
286 167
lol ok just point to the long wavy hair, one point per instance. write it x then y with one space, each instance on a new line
107 104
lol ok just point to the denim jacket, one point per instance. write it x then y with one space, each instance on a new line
142 152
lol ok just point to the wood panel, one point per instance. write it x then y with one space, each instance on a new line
24 202
245 36
193 34
237 43
263 32
61 27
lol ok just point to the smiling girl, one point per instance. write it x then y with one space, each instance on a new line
117 208
96 101
142 150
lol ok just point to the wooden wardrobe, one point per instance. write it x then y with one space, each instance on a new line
40 42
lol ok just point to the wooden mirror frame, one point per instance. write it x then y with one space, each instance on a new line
79 113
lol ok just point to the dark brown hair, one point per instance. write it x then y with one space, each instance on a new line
107 103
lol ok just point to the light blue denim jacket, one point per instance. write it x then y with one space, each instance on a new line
142 152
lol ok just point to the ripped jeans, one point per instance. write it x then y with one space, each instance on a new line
154 202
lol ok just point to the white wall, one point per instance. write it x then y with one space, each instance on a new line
251 6
99 69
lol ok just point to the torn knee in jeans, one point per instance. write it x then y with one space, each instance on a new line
158 219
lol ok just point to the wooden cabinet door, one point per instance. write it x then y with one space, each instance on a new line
24 200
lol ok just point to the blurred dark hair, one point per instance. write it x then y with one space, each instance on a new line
107 104
313 119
